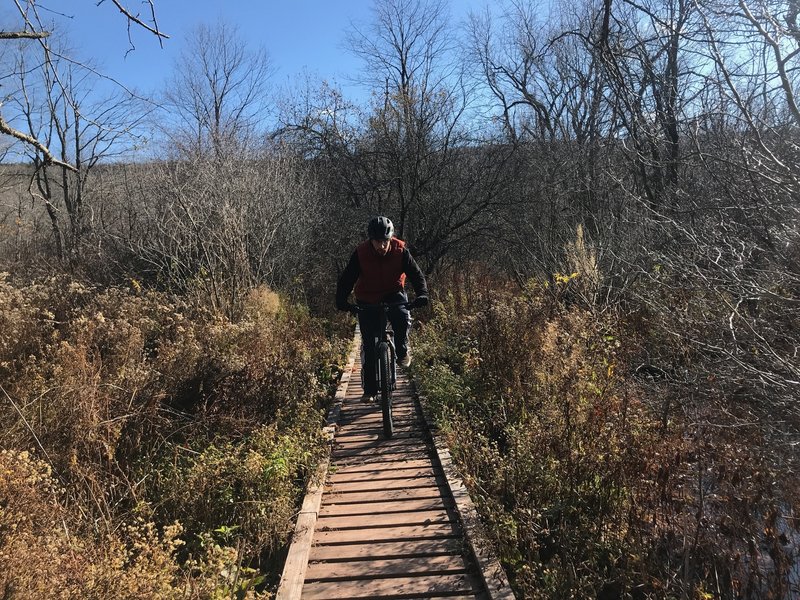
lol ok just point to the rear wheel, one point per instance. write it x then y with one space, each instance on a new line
385 371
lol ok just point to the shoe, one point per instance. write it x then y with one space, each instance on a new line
367 398
406 360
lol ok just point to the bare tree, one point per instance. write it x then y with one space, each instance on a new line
218 91
411 153
58 106
551 97
225 211
405 52
33 29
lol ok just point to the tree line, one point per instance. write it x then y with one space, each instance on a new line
648 146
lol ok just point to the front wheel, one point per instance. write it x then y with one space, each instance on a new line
385 372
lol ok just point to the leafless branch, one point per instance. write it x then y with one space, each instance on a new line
23 35
48 156
135 19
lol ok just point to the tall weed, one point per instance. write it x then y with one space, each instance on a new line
586 491
147 411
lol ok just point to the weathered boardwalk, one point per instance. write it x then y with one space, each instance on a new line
385 523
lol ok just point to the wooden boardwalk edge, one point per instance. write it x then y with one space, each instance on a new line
294 570
491 571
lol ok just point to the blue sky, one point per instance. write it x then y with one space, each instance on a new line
297 34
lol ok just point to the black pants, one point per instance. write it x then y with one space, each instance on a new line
369 322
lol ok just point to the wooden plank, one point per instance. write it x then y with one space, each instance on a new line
361 459
378 440
387 447
383 567
384 528
391 549
385 495
373 494
395 496
350 457
375 421
397 469
473 596
420 517
491 572
378 451
294 570
380 444
382 484
364 407
371 508
388 459
376 416
361 434
397 402
399 472
395 587
375 406
378 467
375 426
374 410
387 534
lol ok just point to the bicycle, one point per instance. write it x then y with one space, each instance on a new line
385 361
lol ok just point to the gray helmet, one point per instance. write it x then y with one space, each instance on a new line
380 228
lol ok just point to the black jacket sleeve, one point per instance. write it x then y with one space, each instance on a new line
415 274
346 281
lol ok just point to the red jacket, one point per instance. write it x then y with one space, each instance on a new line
375 277
380 275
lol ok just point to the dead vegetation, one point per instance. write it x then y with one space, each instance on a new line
152 448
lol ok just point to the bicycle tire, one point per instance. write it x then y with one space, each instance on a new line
384 367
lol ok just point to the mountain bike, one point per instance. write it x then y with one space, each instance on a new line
385 361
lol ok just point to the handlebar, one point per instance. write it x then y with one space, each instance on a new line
409 304
385 305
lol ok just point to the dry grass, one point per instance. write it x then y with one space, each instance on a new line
152 448
588 488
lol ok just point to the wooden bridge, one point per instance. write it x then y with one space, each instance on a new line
387 518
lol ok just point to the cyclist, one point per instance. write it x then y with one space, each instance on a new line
377 270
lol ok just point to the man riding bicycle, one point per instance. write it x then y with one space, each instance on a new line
377 269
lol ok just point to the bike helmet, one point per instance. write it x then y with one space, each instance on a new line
380 228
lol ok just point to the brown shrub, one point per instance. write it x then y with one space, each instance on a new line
43 555
587 487
150 411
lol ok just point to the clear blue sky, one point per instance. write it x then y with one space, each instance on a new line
297 34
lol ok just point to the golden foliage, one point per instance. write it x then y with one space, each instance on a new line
152 448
